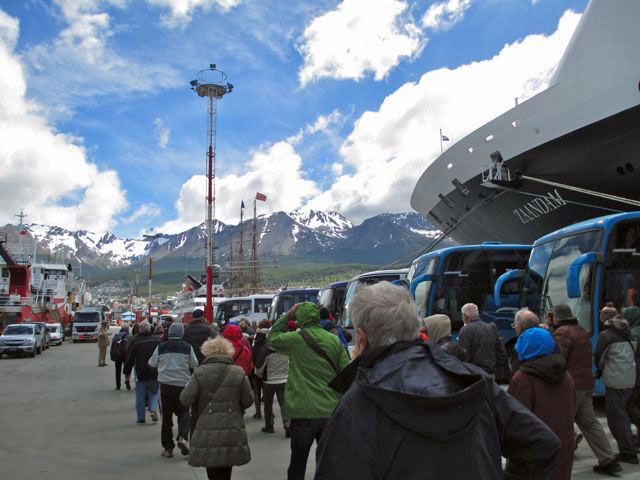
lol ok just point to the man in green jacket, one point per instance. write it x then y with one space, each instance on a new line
309 401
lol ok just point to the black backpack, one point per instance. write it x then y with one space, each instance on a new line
118 347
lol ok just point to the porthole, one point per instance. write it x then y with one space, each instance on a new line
629 167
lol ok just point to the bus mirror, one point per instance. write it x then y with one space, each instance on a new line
427 277
574 270
401 283
502 279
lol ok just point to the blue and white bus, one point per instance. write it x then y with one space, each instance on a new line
286 298
584 266
444 280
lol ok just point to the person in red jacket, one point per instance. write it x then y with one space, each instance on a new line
242 355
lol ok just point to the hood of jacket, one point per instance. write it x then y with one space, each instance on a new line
424 389
308 315
618 323
549 368
233 333
438 327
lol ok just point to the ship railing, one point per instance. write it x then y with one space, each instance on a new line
495 172
15 300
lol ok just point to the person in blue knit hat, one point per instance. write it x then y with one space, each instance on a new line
543 385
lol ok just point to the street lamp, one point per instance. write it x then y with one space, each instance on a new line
211 83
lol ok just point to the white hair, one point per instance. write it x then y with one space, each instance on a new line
216 346
386 313
470 310
144 326
526 318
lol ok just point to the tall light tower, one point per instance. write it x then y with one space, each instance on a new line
210 83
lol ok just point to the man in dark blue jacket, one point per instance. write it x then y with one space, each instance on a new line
412 411
146 377
197 332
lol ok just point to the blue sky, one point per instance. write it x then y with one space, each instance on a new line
337 104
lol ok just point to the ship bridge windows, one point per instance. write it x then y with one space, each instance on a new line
515 123
470 149
488 138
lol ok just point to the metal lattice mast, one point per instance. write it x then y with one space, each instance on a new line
210 84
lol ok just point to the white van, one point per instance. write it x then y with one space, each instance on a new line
252 308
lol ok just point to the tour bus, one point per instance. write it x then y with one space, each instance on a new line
364 279
332 297
444 280
252 308
288 297
584 266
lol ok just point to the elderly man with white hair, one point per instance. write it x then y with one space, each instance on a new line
412 411
481 340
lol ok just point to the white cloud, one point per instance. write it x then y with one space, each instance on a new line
182 10
83 63
162 132
444 15
323 122
388 149
273 170
359 37
146 210
42 170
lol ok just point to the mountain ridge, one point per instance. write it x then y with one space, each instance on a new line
301 234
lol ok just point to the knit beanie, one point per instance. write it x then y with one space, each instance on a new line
176 330
535 342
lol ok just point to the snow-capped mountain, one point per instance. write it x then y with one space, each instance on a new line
301 234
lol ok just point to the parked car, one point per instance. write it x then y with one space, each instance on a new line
56 333
41 329
20 338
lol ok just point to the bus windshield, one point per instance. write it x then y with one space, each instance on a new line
87 317
622 270
232 308
285 300
356 285
423 289
470 275
564 253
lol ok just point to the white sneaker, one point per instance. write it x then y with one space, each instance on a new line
183 445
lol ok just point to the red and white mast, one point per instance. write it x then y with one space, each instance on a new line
210 83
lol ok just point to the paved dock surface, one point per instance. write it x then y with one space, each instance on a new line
61 419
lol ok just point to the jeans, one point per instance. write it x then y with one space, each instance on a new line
269 391
146 389
618 418
591 428
219 473
303 432
118 364
170 398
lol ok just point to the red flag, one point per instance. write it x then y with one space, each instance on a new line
261 197
23 232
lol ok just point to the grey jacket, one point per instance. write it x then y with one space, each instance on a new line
615 354
175 360
220 438
276 367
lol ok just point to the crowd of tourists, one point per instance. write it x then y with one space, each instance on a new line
410 396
